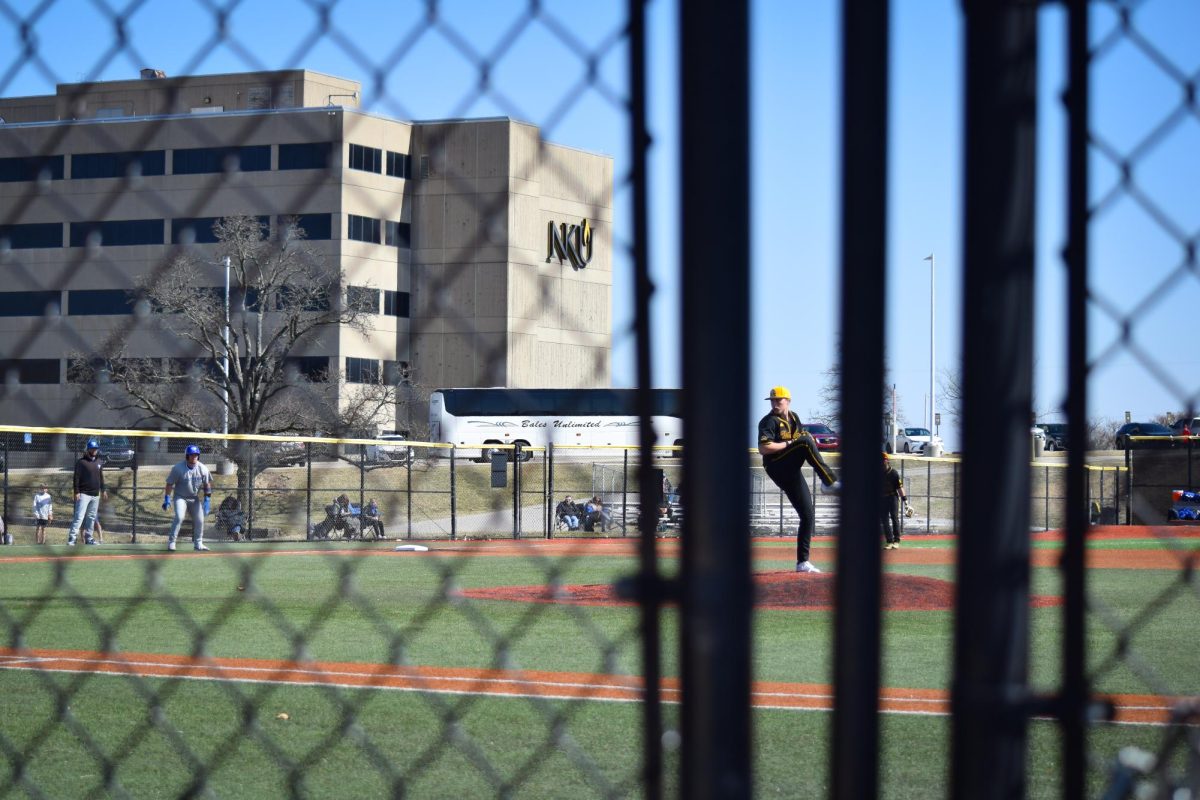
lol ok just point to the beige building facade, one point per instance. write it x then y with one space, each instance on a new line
490 250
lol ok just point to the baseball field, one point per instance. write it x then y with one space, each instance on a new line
507 668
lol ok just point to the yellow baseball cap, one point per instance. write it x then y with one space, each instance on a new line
779 392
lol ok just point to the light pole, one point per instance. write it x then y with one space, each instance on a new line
932 340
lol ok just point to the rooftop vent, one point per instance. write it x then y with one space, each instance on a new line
152 74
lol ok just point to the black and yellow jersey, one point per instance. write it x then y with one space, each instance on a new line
892 482
774 428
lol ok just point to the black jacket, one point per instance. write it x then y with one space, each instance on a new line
89 476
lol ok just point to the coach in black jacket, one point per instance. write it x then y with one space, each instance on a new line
88 485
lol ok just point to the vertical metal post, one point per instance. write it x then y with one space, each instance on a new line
550 504
625 493
250 493
863 241
1076 687
990 684
928 496
308 526
516 482
453 498
716 587
408 496
133 517
1128 484
362 481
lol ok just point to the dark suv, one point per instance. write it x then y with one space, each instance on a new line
1056 435
1161 435
116 452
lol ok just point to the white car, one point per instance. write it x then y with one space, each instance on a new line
398 453
912 440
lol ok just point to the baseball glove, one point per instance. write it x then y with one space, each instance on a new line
908 510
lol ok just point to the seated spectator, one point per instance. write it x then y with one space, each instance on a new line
346 517
595 514
568 513
230 518
370 518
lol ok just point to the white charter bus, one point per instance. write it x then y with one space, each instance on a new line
539 417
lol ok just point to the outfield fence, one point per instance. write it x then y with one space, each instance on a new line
426 491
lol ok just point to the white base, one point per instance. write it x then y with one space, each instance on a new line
412 548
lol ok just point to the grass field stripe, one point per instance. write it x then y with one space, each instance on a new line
1131 709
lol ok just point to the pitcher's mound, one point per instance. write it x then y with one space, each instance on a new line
773 590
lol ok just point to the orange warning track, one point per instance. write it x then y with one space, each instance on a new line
1130 709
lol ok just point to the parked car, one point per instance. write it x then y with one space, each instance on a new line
1186 426
1055 434
912 440
1154 429
397 453
116 452
287 453
827 438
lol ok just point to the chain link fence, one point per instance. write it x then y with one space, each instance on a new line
1137 202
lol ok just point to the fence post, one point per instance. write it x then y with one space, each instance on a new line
408 493
133 518
1046 484
453 497
516 465
362 482
928 496
1128 483
549 484
250 495
308 526
989 725
625 493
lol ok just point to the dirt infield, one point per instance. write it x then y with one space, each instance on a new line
773 590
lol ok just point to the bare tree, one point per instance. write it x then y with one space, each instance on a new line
284 299
831 400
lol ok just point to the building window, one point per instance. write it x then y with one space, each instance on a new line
118 233
29 304
315 155
31 168
202 160
363 298
316 227
100 302
30 370
363 229
399 165
368 159
31 235
362 370
199 230
118 165
397 234
396 373
314 369
395 304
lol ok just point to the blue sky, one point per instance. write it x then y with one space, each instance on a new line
411 70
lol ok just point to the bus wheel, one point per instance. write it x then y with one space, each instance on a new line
526 453
485 455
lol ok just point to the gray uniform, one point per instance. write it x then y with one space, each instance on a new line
189 485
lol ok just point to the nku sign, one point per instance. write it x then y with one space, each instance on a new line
572 242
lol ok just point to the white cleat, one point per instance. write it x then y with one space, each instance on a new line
200 548
806 566
171 545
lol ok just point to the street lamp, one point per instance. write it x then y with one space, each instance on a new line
932 340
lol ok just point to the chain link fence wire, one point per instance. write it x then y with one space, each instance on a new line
401 257
1141 134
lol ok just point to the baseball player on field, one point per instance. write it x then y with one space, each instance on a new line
785 448
192 485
